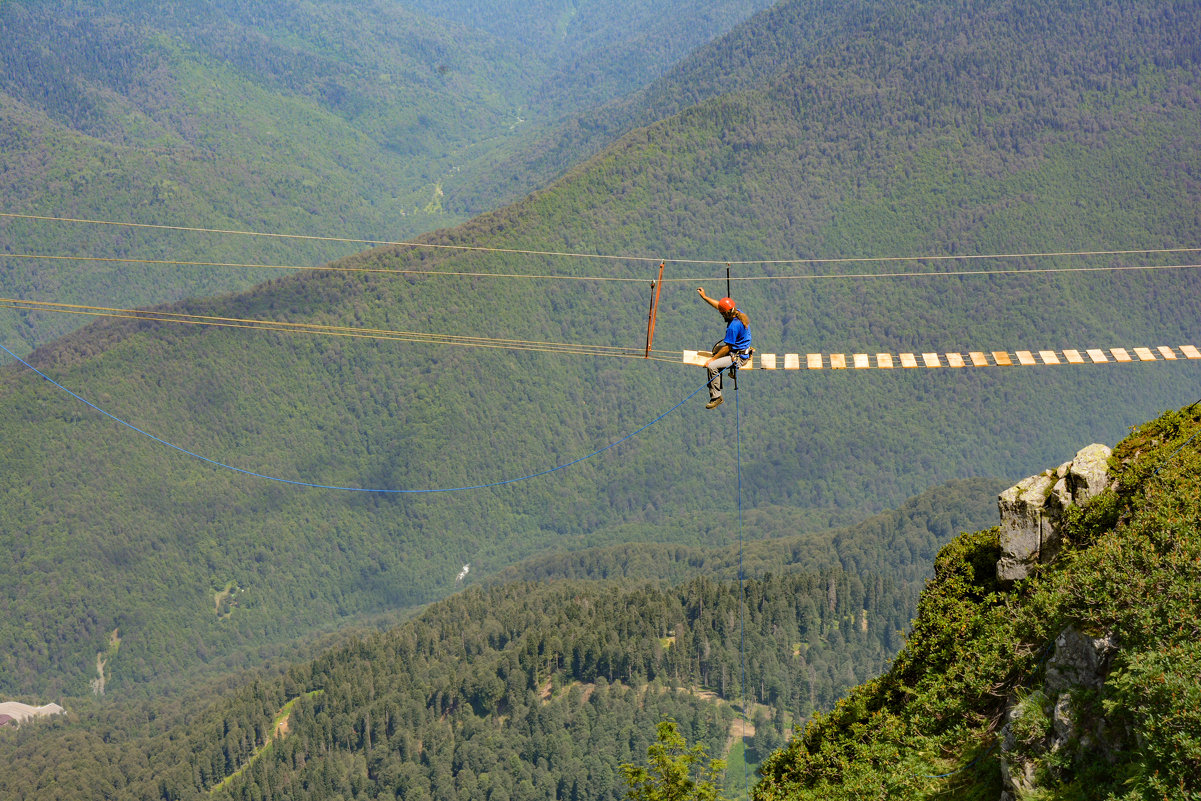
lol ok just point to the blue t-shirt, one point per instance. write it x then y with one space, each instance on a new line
738 336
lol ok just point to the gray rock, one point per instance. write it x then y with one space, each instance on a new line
1018 777
1023 525
1057 720
1017 772
1063 722
1089 474
1079 660
1032 510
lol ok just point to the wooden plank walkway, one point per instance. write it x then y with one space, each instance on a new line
934 360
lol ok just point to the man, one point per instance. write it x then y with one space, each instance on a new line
734 350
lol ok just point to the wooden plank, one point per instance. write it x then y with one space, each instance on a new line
1000 358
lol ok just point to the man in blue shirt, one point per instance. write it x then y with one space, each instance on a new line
734 350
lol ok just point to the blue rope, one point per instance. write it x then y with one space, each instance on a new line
741 590
345 489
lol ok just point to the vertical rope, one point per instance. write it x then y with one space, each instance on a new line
741 593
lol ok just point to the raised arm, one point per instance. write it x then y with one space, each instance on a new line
713 302
706 298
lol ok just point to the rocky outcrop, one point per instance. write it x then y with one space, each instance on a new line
1078 661
1032 510
1052 725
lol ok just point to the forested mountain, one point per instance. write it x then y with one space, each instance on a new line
522 691
1077 682
898 545
927 128
764 47
539 690
341 119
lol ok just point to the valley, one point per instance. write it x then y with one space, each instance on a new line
431 503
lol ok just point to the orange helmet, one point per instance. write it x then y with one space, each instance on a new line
725 305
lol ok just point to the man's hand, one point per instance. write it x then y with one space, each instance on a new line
701 290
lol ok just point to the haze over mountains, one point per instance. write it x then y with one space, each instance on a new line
814 131
338 119
855 150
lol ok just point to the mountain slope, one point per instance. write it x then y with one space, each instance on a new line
525 690
338 119
972 689
753 54
872 150
898 544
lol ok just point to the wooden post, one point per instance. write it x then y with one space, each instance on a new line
653 314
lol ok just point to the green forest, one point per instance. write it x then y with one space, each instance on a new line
345 120
861 166
522 691
81 500
545 690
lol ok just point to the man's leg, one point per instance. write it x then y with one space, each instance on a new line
715 368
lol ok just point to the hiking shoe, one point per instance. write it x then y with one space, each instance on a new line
713 404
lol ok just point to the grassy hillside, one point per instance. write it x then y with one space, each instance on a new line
918 139
339 119
932 725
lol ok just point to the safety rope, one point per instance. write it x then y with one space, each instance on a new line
390 335
222 465
961 273
687 279
741 590
341 239
654 259
325 268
